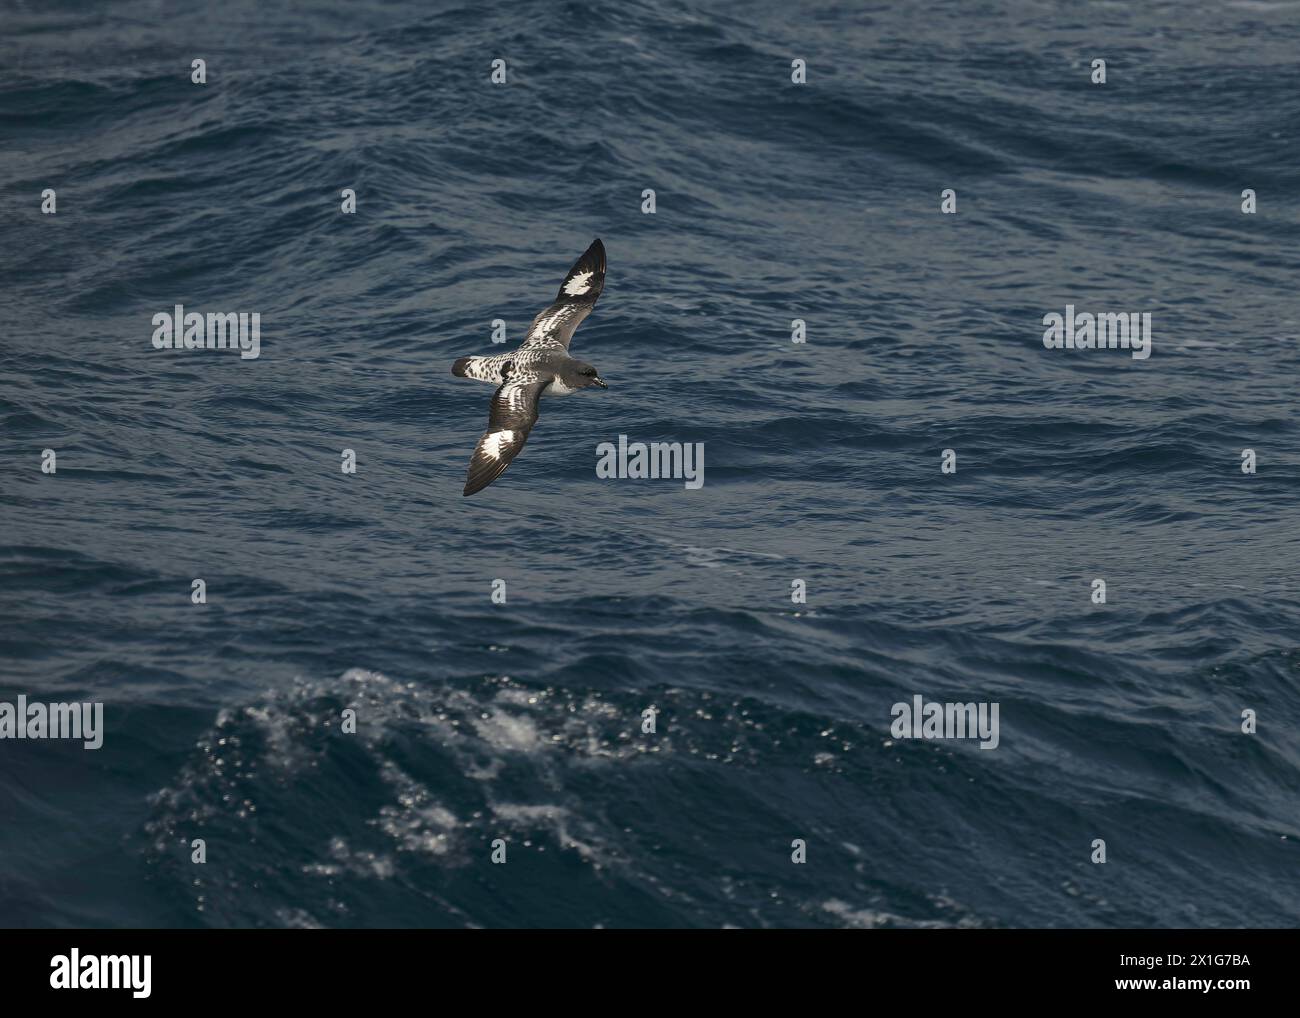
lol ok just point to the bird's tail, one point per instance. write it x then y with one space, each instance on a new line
461 368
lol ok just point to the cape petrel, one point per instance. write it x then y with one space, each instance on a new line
541 366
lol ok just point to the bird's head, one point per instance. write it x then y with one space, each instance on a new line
585 375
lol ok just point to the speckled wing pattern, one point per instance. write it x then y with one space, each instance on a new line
511 416
577 296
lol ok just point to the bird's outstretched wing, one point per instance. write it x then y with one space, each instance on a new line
511 416
578 293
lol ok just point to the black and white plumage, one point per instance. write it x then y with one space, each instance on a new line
541 365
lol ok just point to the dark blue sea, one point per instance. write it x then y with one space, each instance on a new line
521 722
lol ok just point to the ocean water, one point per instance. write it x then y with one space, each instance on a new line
521 721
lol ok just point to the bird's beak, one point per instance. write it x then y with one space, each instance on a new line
600 381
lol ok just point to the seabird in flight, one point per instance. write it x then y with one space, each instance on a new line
541 366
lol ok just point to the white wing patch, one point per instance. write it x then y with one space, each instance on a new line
582 285
578 285
511 416
492 443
